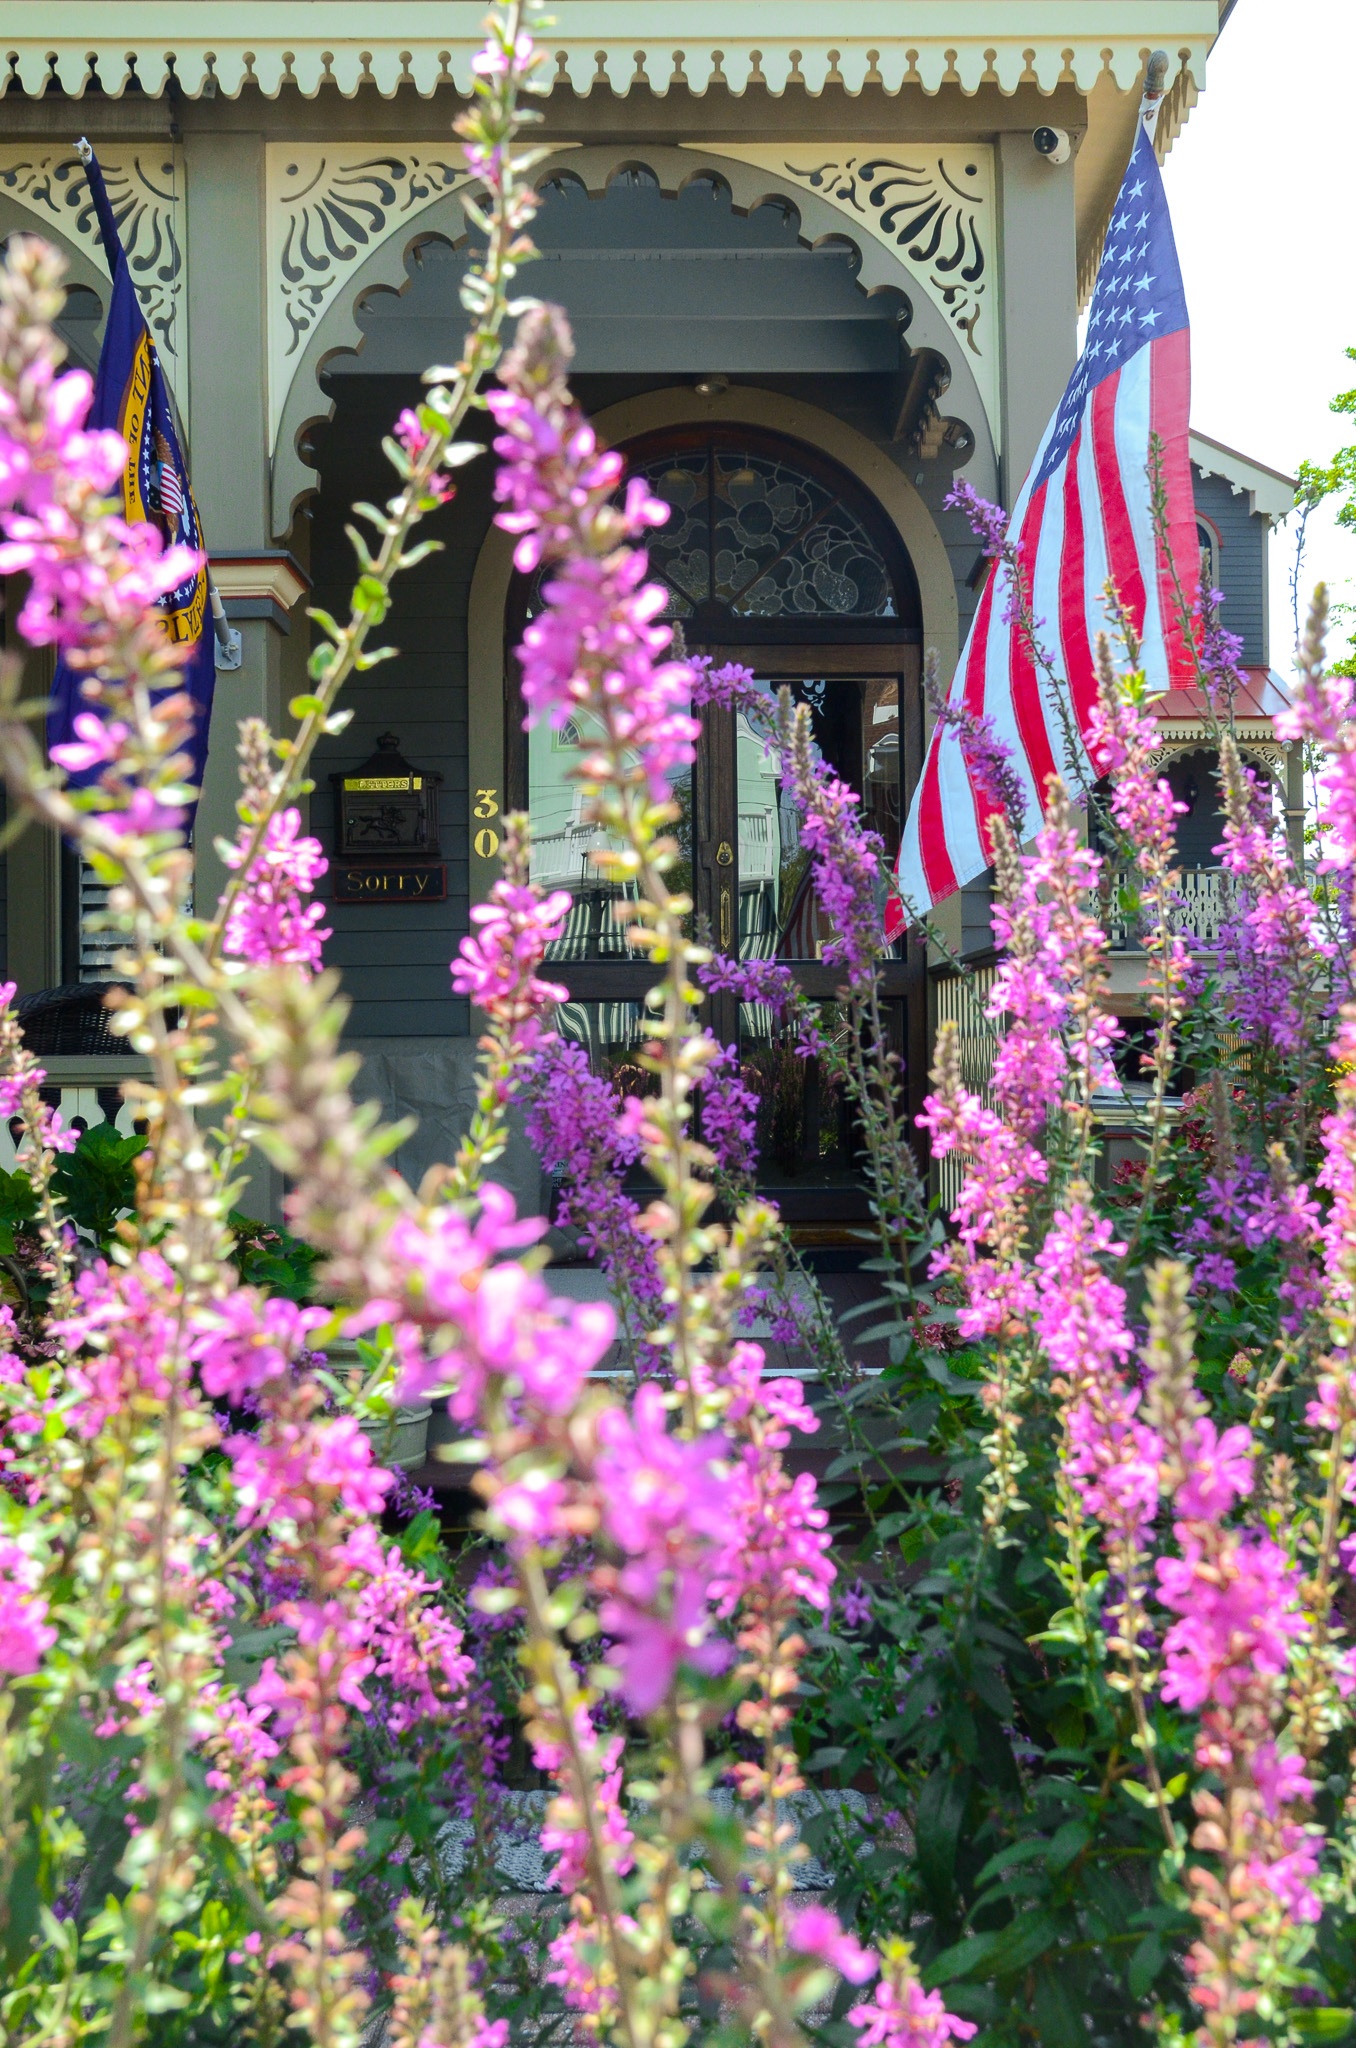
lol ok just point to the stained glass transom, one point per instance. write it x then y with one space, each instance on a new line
762 538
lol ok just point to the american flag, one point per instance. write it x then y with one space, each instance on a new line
1084 516
169 484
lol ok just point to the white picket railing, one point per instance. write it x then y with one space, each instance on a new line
1202 910
80 1083
960 1000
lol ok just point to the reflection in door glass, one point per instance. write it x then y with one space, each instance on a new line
563 842
612 1034
804 1122
855 721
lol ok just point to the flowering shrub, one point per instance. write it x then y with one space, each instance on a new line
262 1726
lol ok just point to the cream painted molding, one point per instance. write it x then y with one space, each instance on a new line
224 45
146 187
273 575
933 209
1267 490
329 206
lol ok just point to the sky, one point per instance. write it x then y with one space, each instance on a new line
1260 184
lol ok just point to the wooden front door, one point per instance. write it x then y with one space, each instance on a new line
777 560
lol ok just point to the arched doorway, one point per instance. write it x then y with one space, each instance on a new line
776 557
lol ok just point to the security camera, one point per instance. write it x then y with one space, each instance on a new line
1053 144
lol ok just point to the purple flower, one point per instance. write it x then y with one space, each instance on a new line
854 1605
729 1113
581 1134
600 616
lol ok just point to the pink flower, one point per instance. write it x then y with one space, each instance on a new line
566 1834
123 1332
814 1931
25 1633
656 1627
268 924
902 2015
1080 1317
1218 1471
246 1339
530 1506
1323 710
779 1545
1335 1405
293 1473
1281 1777
491 1318
413 1644
497 965
99 741
1238 1612
1287 1878
1114 1462
600 617
659 1493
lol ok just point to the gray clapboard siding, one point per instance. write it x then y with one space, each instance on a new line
1242 563
394 961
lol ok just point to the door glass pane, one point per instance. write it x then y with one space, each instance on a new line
855 722
803 1121
612 1035
763 536
563 840
680 550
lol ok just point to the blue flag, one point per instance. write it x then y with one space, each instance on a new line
131 397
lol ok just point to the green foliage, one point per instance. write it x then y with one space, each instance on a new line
1316 482
18 1205
97 1182
268 1257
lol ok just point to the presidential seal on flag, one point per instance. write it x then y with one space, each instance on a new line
132 397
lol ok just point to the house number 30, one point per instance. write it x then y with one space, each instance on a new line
486 843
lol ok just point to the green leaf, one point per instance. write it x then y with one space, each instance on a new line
964 1959
306 706
1068 1842
1322 2022
18 1202
1058 2019
371 598
941 1809
1020 1943
1016 1852
269 1257
97 1181
1145 1965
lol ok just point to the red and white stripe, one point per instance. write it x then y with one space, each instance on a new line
1089 521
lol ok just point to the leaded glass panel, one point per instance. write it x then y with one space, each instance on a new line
761 538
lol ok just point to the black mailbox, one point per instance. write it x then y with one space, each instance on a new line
387 814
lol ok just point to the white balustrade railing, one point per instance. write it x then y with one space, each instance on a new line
1201 911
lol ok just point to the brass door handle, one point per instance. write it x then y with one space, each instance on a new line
725 918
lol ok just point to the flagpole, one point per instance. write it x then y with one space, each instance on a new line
229 654
1155 85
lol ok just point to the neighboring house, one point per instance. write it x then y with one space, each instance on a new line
816 265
